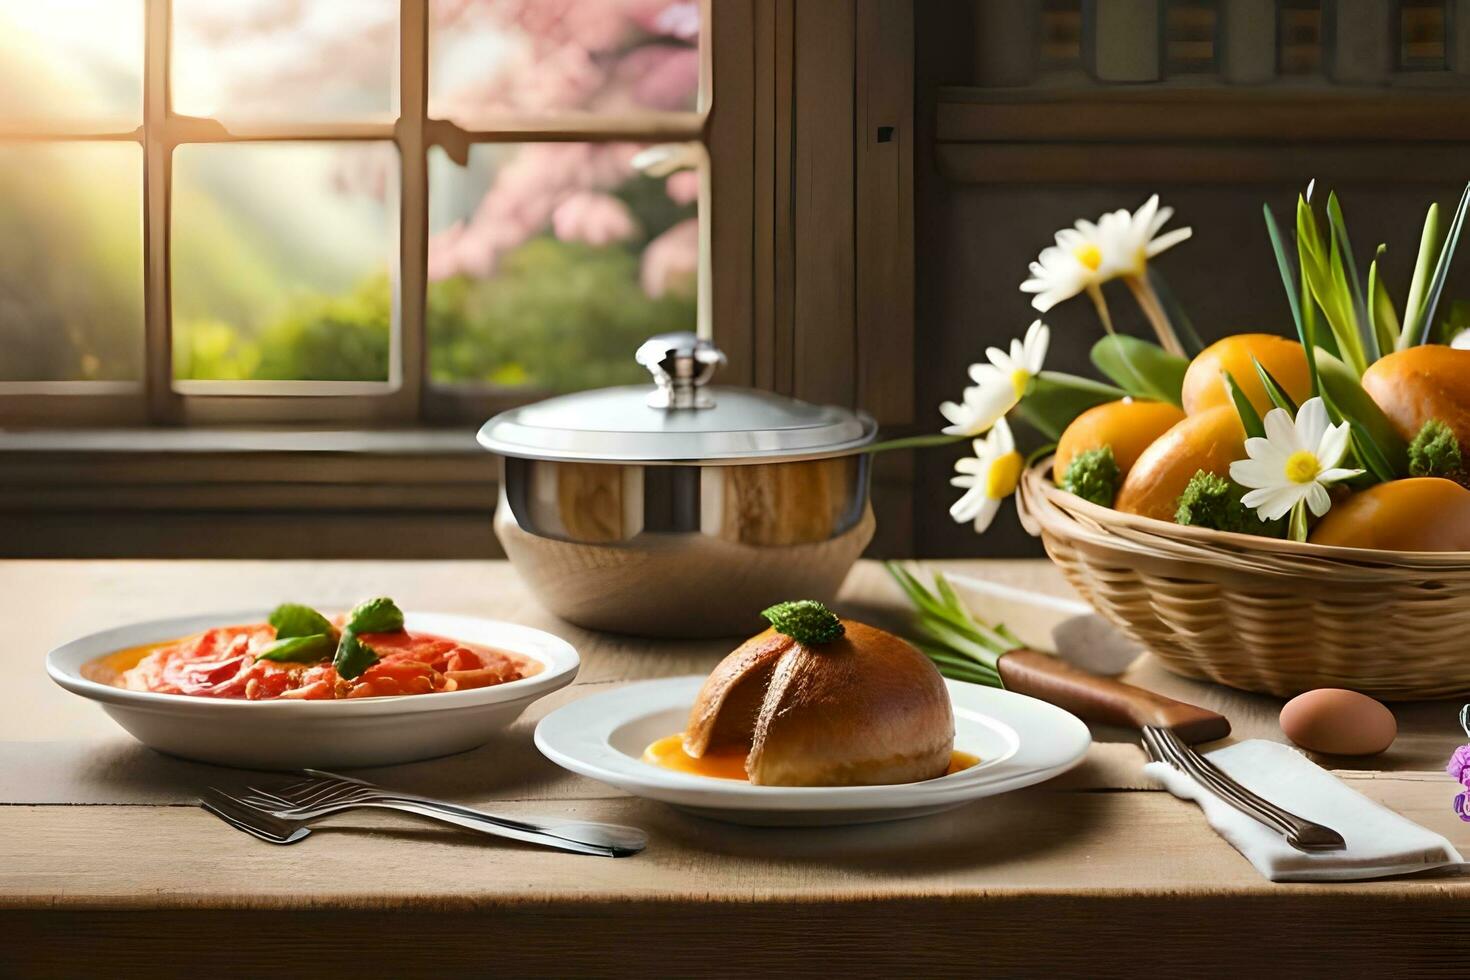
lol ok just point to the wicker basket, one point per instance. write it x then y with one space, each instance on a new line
1261 614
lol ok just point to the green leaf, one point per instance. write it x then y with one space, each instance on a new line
1382 317
1250 419
806 621
1321 264
1298 526
1274 391
1373 434
292 619
300 649
1143 369
1442 268
1369 454
1055 399
1348 267
375 616
1304 329
353 656
1419 283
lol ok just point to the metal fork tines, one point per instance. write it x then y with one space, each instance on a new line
322 794
252 820
1164 746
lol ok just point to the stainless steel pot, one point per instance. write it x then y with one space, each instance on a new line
683 509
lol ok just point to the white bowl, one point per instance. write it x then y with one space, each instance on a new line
1019 740
317 734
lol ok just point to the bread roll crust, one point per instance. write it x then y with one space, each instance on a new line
865 709
1420 383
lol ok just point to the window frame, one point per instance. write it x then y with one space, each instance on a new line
722 125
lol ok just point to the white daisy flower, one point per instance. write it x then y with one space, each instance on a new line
999 385
1128 241
981 407
988 477
1294 463
1067 268
1461 341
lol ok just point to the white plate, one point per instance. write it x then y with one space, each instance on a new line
1019 740
317 734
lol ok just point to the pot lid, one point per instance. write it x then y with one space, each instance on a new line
681 419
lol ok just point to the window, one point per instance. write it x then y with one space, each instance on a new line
387 210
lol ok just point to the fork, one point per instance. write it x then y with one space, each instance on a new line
253 821
1164 746
322 794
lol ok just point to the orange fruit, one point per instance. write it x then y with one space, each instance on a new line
1421 383
1203 387
1209 440
1423 513
1128 426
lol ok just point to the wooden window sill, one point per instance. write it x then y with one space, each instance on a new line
405 442
246 493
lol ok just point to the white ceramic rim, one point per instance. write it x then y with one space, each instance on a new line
558 658
1043 740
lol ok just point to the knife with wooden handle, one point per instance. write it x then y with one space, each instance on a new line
1102 699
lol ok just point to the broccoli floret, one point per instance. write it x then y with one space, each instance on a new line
1093 475
1436 452
1214 502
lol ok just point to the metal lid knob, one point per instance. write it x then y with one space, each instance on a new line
681 364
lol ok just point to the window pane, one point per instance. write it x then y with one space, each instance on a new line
72 61
549 263
275 60
282 256
71 262
512 56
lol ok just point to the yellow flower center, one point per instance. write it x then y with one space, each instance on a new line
1089 255
1302 467
1020 378
1004 474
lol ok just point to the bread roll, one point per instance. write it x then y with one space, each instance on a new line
1415 385
864 709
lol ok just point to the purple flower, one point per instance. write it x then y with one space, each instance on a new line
1459 763
1462 806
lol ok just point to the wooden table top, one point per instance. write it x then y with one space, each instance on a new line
102 856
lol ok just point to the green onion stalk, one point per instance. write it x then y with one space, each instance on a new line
961 646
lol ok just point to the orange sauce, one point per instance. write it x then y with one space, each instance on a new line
107 669
668 753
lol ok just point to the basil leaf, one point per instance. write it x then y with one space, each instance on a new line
299 649
353 656
292 619
375 616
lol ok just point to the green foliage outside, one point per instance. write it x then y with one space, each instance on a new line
558 315
71 264
324 338
555 315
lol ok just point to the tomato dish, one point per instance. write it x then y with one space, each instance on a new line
366 653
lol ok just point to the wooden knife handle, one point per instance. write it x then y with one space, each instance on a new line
1102 699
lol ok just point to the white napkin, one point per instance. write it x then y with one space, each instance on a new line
1379 841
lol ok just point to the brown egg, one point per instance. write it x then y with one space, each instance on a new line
1338 722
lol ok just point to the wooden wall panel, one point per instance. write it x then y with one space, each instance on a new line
885 210
823 177
730 69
